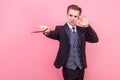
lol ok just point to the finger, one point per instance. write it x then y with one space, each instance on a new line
43 27
83 17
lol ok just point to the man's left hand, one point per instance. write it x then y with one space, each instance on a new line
83 22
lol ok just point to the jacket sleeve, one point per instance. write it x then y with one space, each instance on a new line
54 34
91 35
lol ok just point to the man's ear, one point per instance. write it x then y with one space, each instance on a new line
79 17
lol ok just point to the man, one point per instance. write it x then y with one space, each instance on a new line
72 38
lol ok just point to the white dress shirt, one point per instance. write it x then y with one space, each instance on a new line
71 27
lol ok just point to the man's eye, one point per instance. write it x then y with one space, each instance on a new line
75 16
70 15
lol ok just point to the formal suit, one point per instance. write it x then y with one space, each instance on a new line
62 34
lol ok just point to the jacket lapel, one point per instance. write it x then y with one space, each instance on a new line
80 36
67 30
79 31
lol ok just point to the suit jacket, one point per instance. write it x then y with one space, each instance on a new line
61 33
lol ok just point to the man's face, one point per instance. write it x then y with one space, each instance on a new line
73 16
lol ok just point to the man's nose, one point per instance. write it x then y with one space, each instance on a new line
72 18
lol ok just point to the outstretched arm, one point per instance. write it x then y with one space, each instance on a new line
53 34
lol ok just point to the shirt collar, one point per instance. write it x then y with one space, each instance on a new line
71 26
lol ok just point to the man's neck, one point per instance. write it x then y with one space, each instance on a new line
70 26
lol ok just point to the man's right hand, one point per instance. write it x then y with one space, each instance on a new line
45 29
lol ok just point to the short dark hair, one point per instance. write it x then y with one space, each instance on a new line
75 7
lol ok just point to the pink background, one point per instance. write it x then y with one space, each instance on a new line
27 56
